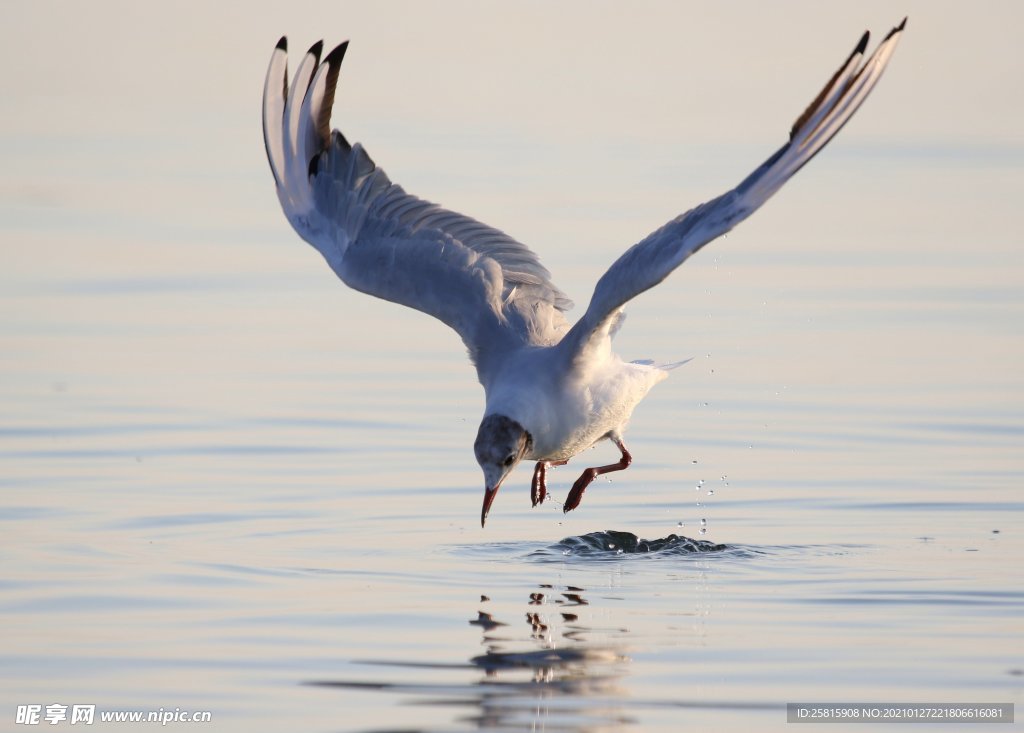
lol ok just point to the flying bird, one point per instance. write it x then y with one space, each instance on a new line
552 389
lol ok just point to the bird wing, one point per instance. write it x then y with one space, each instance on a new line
650 261
385 242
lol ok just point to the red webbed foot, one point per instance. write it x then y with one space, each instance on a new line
576 493
538 487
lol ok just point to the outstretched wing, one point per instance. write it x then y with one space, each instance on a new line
383 241
649 262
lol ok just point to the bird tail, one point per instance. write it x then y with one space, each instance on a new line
669 367
663 367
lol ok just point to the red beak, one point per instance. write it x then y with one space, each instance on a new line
489 495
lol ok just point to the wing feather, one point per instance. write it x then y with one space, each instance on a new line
490 288
295 170
275 93
650 261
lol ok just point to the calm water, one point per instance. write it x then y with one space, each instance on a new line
230 484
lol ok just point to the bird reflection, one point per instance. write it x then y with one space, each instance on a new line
559 662
558 673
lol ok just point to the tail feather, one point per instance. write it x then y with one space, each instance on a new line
663 367
674 364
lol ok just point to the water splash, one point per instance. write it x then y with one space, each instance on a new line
611 543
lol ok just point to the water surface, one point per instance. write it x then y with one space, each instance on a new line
229 484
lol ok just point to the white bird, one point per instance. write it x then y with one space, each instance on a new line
551 391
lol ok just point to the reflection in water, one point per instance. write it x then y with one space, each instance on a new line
559 672
563 663
551 675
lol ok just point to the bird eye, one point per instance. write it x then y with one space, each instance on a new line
510 460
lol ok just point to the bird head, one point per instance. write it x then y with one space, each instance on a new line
500 444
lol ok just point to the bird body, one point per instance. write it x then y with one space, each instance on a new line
552 390
567 410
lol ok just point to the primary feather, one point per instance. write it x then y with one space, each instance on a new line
490 288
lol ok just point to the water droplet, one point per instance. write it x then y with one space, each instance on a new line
711 492
703 522
680 524
703 530
724 477
694 461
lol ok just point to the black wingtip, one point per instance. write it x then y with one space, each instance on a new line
283 44
337 54
863 45
897 29
316 49
323 120
858 50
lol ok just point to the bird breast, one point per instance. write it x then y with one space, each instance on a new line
568 415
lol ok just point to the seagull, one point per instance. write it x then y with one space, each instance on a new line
552 390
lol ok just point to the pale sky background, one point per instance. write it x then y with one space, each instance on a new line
564 69
166 80
576 127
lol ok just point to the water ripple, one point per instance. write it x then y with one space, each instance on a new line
611 543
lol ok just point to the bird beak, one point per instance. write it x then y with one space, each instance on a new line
489 495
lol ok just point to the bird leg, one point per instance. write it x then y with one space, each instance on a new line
539 485
576 493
